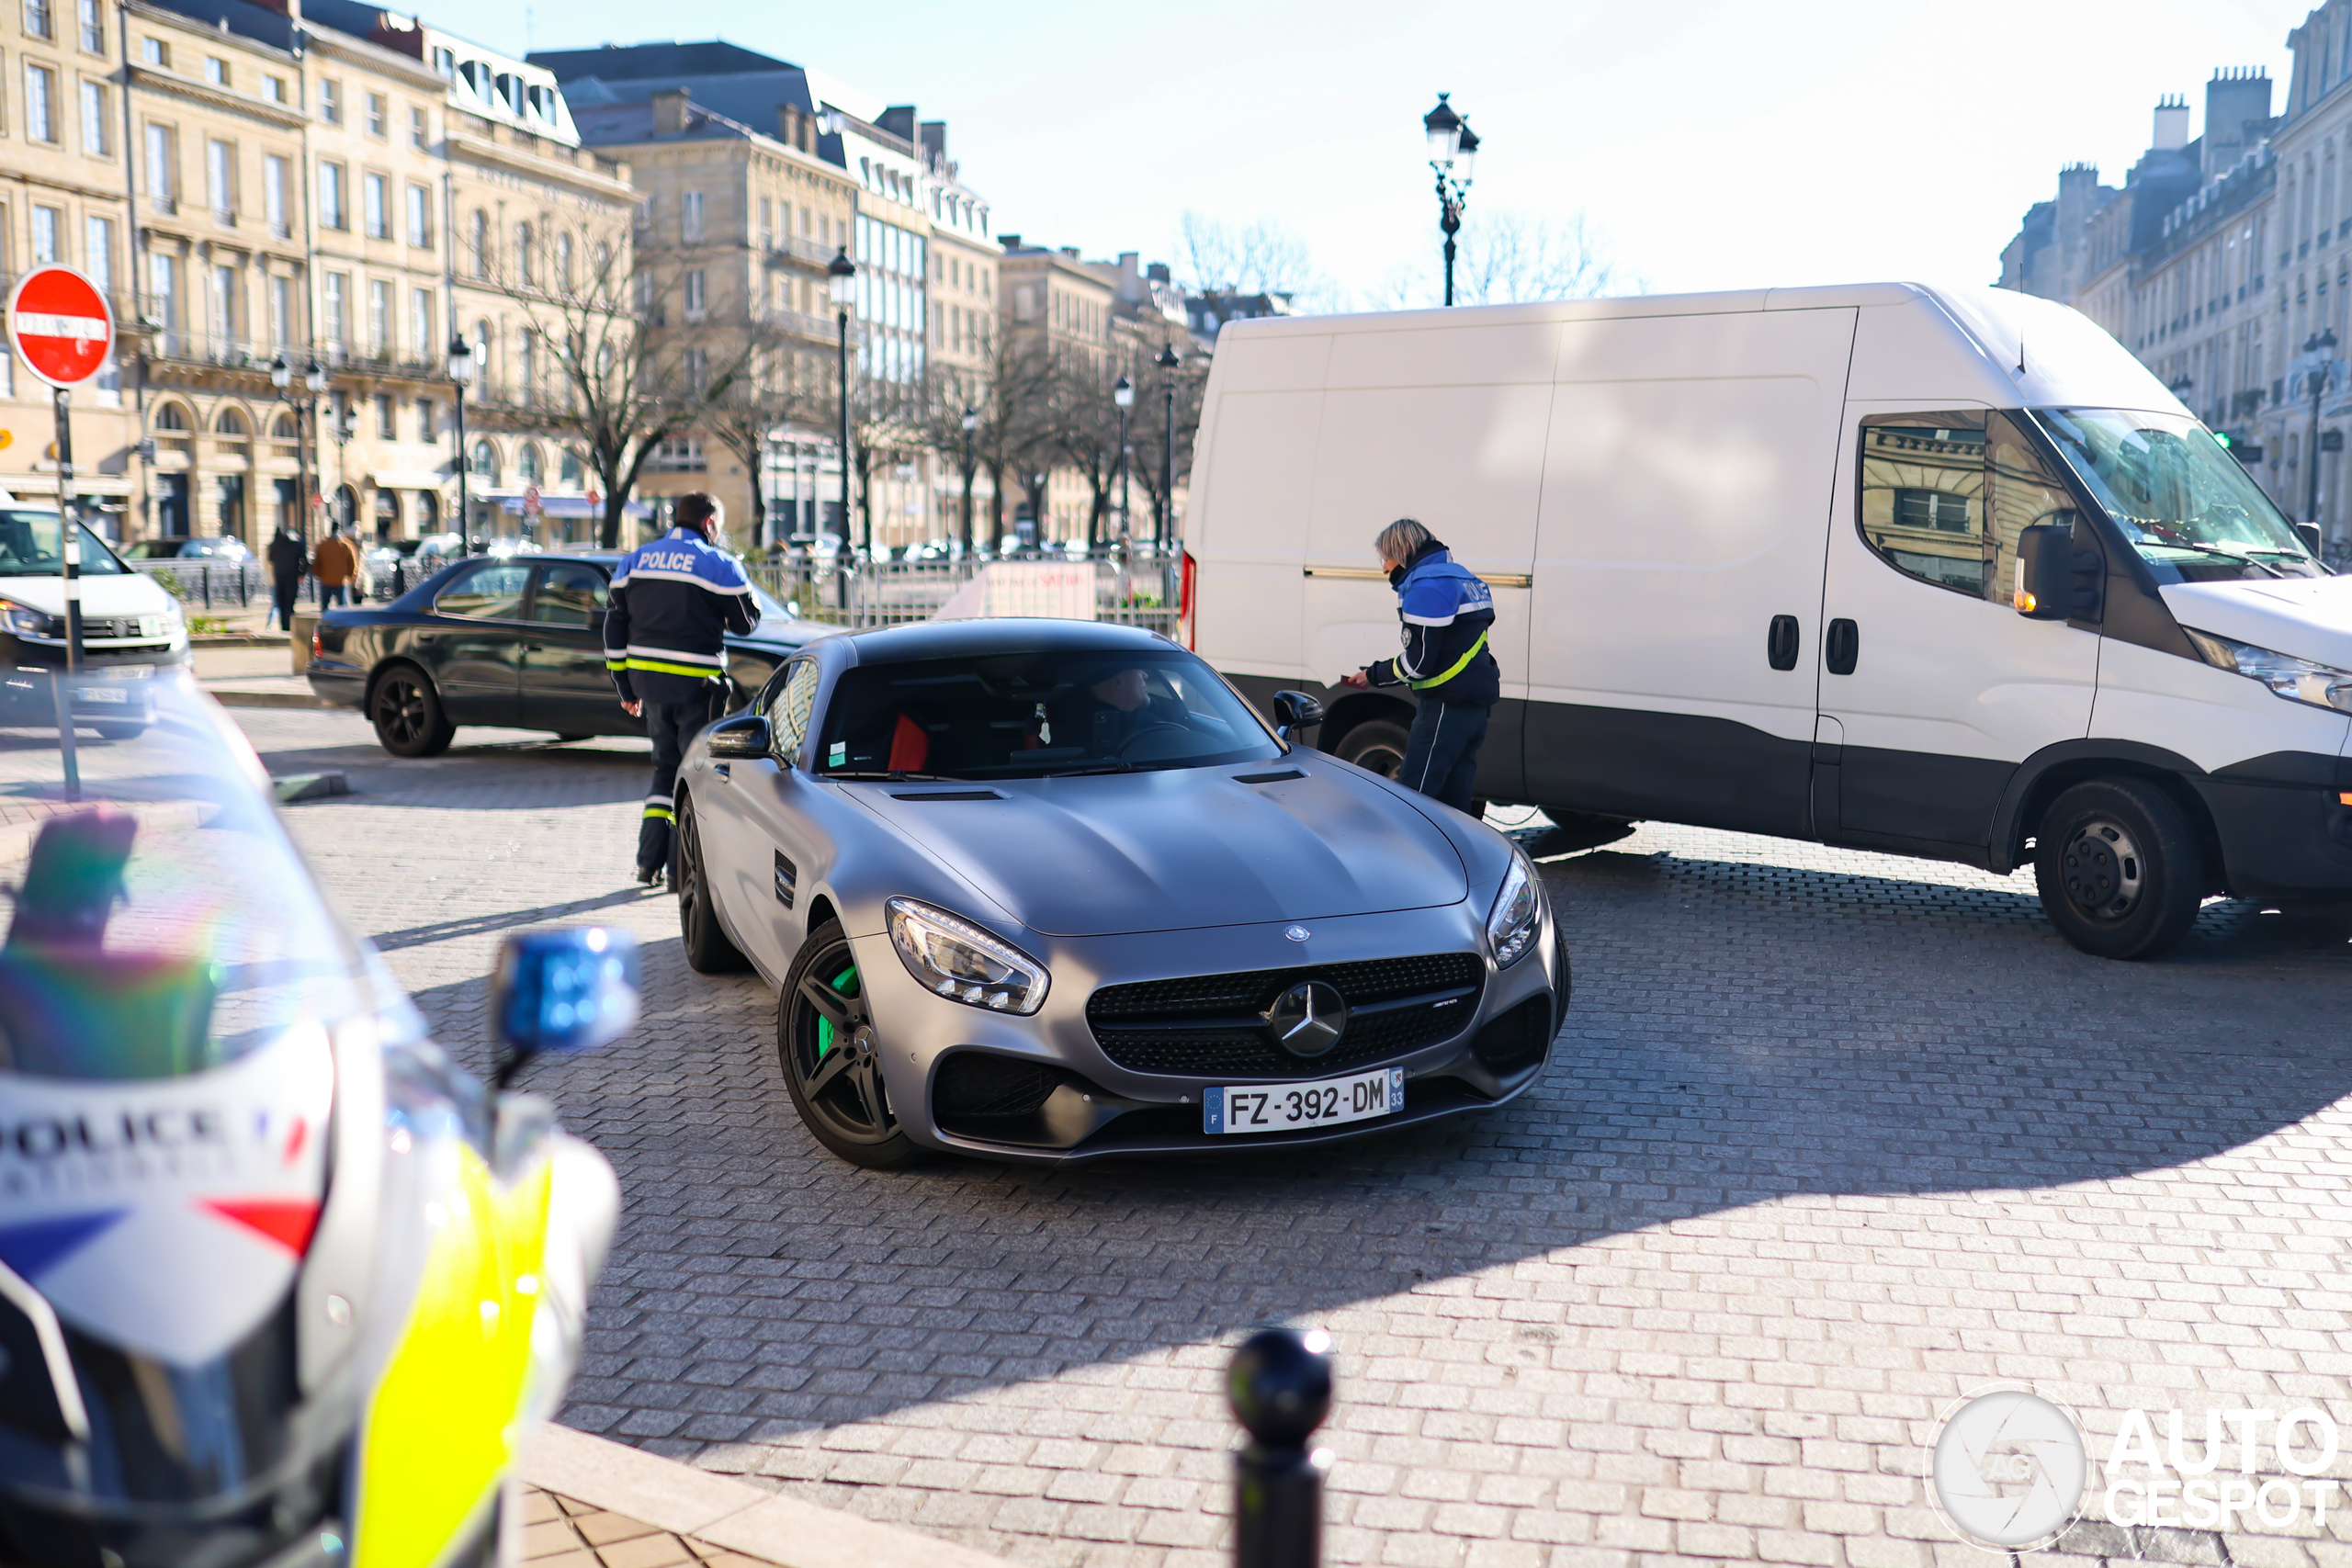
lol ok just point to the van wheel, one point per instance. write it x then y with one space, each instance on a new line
1376 745
2119 872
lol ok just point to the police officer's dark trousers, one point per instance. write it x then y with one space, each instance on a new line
672 726
1441 751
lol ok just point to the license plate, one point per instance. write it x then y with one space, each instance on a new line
101 694
1280 1108
130 671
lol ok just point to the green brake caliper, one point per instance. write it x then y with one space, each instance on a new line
846 984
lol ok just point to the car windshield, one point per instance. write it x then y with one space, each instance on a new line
2178 494
768 607
161 923
28 546
1036 714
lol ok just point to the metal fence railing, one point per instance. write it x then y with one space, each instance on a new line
207 584
858 594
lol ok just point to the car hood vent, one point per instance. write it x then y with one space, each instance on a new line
1275 777
946 795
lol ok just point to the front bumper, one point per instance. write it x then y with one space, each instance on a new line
109 685
1099 1107
2285 825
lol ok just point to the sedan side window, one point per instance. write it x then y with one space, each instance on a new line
1923 497
491 592
568 594
788 715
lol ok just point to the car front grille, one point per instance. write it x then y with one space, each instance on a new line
1207 1025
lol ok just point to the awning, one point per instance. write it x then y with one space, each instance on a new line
412 478
565 506
46 484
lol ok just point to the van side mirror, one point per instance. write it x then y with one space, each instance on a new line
1295 711
562 992
2314 541
745 736
2054 580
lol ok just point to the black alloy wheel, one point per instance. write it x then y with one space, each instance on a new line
1376 745
709 951
2120 871
832 1059
407 714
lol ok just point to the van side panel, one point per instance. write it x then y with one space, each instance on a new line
1687 490
1250 538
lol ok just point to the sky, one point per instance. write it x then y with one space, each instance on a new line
1713 144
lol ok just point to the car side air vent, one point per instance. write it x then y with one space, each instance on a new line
946 795
1276 777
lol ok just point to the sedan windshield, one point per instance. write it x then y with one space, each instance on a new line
1036 715
2178 496
29 548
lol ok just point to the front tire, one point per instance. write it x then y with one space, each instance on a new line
1376 745
833 1062
119 728
2120 871
708 951
408 715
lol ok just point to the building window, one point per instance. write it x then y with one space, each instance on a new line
38 21
690 216
482 242
332 211
215 71
155 52
97 125
281 312
385 426
161 187
427 429
376 197
40 103
697 372
98 252
420 322
417 133
164 288
47 221
330 100
224 309
220 179
523 254
376 114
695 301
527 366
94 27
273 196
380 320
274 89
420 217
335 284
563 262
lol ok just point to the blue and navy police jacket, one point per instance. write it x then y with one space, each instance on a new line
1447 614
673 603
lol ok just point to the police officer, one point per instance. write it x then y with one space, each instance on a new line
1447 614
674 602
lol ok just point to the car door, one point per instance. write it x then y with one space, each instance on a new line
758 851
1933 689
474 642
565 686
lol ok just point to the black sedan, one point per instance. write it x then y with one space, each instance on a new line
515 642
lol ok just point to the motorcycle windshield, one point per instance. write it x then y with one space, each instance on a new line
163 924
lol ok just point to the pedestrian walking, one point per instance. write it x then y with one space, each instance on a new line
674 602
286 559
1448 613
337 564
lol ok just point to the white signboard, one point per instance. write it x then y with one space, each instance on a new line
1061 589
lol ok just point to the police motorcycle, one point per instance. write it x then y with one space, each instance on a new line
281 1286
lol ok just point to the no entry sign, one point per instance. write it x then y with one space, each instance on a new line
60 323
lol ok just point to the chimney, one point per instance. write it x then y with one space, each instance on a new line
899 119
2237 116
1070 251
787 124
670 111
935 141
1156 272
2172 124
1010 241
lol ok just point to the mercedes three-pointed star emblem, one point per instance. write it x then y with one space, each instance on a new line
1308 1018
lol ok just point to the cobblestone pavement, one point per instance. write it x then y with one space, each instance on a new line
562 1532
1830 1139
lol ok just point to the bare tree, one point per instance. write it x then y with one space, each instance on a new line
1262 259
1149 437
1509 258
622 381
1012 394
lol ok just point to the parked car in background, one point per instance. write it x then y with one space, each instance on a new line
219 547
515 641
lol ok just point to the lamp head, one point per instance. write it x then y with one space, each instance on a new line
1443 127
315 377
1465 156
1123 393
281 375
841 278
1166 358
971 419
461 361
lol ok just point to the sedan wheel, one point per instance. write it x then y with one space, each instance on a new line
407 714
707 950
832 1059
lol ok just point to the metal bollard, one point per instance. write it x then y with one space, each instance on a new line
1279 1384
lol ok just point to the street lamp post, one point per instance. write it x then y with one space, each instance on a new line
461 373
315 378
841 280
972 423
1123 393
1454 148
2320 354
343 429
1163 527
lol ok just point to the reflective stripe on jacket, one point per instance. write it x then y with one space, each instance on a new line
1447 612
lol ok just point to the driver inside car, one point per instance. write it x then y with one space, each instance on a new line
1120 706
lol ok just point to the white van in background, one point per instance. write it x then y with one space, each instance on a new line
1945 573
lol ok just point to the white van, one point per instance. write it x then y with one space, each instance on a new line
1945 573
132 629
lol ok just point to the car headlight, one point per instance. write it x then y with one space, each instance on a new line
26 621
2296 680
957 960
1518 914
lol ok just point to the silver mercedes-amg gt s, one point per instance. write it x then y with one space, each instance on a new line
1050 890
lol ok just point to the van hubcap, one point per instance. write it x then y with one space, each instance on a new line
2103 871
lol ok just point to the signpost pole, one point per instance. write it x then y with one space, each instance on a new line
69 567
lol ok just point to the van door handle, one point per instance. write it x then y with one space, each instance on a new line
1781 643
1842 646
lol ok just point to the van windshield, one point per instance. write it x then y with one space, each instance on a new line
2185 504
29 548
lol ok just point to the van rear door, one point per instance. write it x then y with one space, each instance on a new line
1687 488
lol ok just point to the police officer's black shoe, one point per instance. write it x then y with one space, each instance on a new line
648 875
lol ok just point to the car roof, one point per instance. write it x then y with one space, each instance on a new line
949 639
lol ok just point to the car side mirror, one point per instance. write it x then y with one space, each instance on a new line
2054 580
2314 540
562 992
743 737
1295 711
